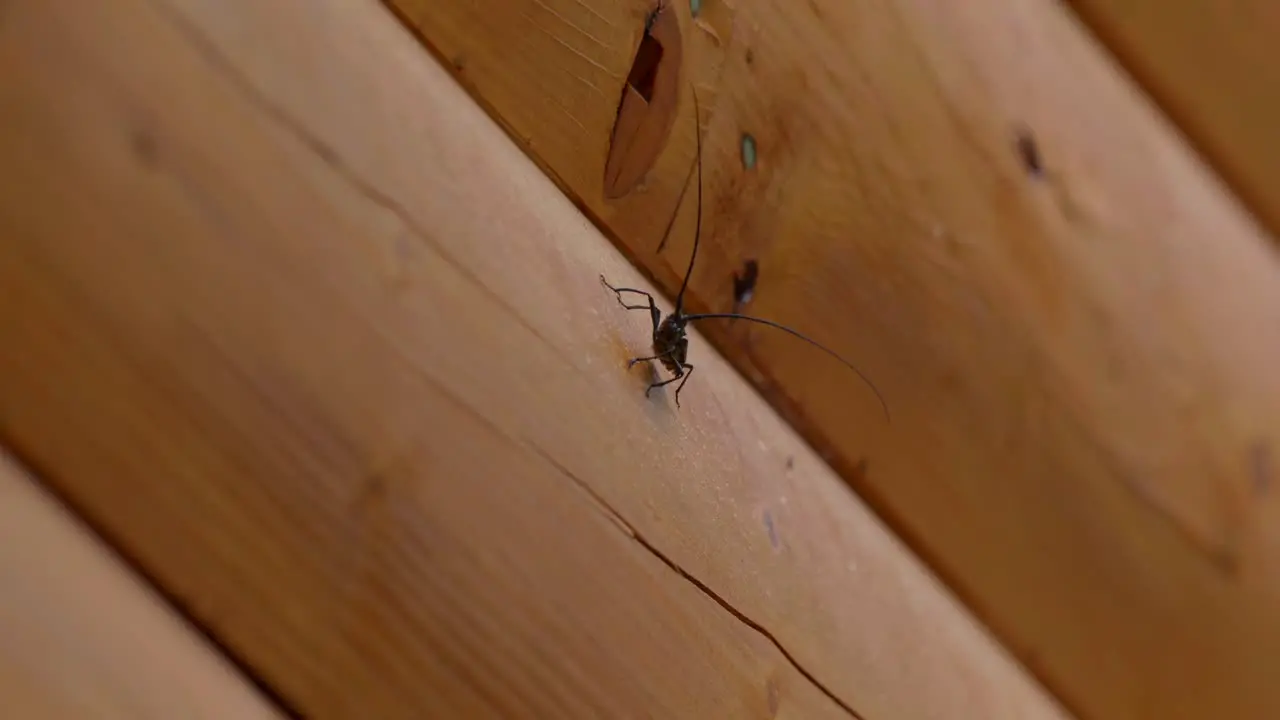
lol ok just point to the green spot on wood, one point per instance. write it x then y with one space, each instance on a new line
748 151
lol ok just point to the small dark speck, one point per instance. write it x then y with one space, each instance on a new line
773 532
145 147
1226 561
459 63
1262 467
373 492
791 462
860 470
751 56
1029 153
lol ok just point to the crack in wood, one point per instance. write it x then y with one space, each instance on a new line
631 531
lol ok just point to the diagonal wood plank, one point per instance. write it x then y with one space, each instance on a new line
1211 66
325 353
85 638
1073 318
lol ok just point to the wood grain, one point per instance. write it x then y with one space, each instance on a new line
1212 66
329 357
1079 356
85 638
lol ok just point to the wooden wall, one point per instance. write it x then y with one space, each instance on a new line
84 637
317 407
1075 321
299 332
1211 67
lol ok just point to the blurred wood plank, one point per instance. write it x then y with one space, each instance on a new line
1075 322
330 357
1212 66
84 638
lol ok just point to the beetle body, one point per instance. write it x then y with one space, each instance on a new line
670 341
671 345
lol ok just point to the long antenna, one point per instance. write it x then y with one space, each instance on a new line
684 189
710 316
697 232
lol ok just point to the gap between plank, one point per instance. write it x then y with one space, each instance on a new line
26 462
1201 147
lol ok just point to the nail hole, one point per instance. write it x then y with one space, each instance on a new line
1029 153
748 151
744 283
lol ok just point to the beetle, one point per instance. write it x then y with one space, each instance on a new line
670 341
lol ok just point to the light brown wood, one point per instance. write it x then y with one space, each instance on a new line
330 357
1212 66
84 638
1080 360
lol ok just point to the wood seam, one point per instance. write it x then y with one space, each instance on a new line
1198 145
182 613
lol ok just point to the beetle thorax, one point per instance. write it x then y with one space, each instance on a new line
670 344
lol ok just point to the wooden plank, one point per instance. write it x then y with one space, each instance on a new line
331 358
1211 66
85 638
1074 322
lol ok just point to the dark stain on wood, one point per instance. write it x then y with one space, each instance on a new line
1029 154
744 284
145 147
772 530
